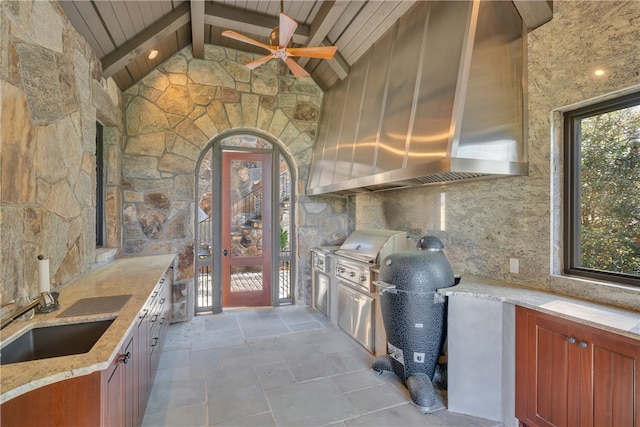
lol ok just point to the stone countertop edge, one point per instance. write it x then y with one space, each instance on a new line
135 275
607 318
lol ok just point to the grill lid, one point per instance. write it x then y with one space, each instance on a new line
372 245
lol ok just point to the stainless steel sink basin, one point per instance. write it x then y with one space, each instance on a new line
53 341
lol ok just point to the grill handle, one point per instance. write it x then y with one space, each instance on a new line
385 287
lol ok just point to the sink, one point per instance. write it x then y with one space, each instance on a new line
53 341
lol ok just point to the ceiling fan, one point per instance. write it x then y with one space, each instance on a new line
282 36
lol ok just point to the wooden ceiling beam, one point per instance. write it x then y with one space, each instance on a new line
197 28
328 14
245 22
129 51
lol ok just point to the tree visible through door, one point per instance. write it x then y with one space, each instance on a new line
246 235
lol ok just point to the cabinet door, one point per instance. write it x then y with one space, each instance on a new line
547 370
130 384
569 374
113 403
363 320
345 308
321 293
142 362
615 380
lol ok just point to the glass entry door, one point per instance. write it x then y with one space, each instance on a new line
246 235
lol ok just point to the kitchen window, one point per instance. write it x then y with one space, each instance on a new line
99 186
602 190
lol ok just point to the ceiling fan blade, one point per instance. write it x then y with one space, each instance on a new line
254 64
287 28
324 52
243 38
295 68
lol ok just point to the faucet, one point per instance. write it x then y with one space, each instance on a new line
43 303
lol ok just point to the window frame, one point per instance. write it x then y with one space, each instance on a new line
572 181
100 238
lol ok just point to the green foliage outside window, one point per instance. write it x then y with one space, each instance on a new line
610 191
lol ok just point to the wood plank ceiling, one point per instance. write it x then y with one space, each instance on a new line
122 32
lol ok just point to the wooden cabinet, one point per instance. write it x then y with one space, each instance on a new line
118 388
127 383
143 371
114 397
160 317
568 374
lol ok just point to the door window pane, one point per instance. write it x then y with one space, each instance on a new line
246 278
246 208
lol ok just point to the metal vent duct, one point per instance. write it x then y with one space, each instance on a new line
439 98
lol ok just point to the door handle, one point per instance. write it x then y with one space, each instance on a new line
224 252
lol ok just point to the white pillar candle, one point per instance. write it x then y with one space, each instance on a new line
43 274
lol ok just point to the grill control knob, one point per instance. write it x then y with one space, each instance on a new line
352 274
363 278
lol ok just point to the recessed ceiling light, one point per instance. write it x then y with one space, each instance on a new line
153 53
599 72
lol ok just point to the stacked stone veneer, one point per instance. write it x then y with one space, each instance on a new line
171 116
52 93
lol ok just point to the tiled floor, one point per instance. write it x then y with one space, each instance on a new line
284 366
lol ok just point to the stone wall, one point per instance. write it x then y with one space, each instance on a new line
484 223
174 112
52 93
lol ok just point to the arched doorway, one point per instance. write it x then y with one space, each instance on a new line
244 227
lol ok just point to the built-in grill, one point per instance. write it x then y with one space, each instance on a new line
355 265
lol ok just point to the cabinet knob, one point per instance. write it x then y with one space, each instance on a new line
571 340
125 357
583 344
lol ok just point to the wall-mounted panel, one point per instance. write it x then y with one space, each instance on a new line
446 30
367 136
401 86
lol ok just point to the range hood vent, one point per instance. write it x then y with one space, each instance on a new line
438 98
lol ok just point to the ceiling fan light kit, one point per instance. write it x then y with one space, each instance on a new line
282 35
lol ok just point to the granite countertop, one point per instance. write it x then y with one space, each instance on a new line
612 319
131 275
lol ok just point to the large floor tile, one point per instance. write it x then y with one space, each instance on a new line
175 394
314 403
357 380
204 362
309 366
184 416
375 398
260 420
265 327
235 401
274 375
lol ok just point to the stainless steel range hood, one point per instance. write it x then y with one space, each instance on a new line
439 98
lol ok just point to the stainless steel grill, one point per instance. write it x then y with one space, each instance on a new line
355 266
